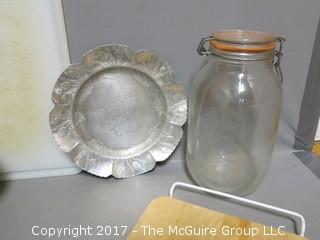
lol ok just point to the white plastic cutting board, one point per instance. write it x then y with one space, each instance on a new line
34 51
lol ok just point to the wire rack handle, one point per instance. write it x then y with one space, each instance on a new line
284 212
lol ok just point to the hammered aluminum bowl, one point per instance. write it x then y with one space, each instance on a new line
118 112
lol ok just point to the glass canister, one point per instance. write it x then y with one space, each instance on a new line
234 110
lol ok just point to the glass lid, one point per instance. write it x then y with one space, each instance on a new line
243 41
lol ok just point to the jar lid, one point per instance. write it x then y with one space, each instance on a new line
243 41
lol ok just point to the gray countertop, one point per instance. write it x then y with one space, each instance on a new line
89 201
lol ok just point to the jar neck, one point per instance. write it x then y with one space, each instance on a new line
243 56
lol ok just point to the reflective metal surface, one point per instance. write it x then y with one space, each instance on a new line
118 112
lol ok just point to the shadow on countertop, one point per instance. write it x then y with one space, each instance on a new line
4 183
311 161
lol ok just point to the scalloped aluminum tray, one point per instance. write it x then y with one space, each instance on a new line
118 112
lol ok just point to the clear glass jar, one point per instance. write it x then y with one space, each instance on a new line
234 110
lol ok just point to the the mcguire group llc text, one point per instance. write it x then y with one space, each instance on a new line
148 230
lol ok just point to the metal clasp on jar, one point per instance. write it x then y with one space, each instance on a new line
203 49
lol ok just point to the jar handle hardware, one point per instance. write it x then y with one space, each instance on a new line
201 49
245 201
278 55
